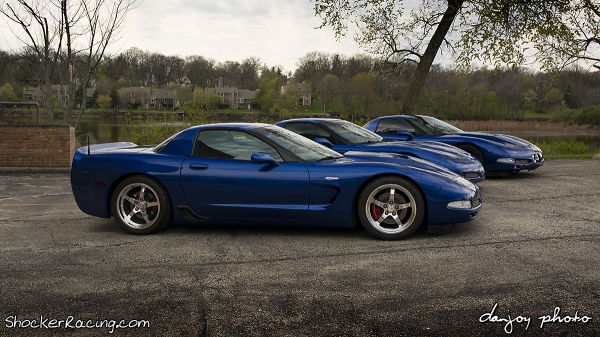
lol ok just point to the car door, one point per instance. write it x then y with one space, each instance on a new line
219 179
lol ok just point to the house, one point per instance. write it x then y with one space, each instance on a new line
148 98
35 94
59 95
303 92
234 98
183 81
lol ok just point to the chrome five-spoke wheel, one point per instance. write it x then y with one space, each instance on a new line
391 208
140 205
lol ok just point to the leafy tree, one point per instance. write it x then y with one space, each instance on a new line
363 94
268 90
580 40
104 101
213 100
289 100
7 93
554 97
531 99
328 88
492 31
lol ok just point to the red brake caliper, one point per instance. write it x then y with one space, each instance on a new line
154 208
376 212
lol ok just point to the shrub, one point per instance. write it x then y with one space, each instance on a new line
152 129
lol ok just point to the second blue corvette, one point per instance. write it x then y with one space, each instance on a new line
343 136
244 174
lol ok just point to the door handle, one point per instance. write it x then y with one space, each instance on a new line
197 166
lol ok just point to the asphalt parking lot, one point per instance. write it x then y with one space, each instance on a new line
532 254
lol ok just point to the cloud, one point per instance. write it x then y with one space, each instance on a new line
278 32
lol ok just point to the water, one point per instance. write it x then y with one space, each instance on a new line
104 128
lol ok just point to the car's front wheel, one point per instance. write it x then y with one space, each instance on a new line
140 205
391 208
474 151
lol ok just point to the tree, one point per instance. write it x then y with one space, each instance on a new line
86 28
114 97
104 101
312 67
43 28
249 73
288 100
580 41
268 90
328 88
7 93
491 31
92 26
200 70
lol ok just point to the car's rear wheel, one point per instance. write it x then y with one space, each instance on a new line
391 208
474 151
140 205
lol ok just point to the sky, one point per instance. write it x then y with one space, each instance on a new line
278 32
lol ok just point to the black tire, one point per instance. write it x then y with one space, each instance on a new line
144 214
474 151
389 219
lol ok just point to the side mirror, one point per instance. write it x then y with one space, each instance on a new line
404 133
324 142
263 158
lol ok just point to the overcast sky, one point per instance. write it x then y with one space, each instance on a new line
279 32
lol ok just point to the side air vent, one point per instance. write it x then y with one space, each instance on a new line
190 215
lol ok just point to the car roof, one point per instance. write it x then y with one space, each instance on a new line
399 116
310 120
239 126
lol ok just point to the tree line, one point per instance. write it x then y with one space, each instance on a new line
358 85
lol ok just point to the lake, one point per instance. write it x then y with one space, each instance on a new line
105 128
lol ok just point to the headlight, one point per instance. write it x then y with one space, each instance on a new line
506 160
464 204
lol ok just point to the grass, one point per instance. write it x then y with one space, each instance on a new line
510 125
569 156
562 149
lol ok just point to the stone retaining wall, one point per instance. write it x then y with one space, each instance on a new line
34 145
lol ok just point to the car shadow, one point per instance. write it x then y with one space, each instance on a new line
108 226
515 176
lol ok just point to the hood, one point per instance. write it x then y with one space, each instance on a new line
506 141
434 152
395 158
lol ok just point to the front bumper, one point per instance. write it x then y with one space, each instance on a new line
521 163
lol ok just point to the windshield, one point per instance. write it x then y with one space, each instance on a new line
433 126
352 133
162 145
299 145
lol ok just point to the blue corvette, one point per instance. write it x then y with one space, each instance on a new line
498 153
259 174
343 136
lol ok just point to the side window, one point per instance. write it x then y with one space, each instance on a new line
392 125
310 131
224 144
